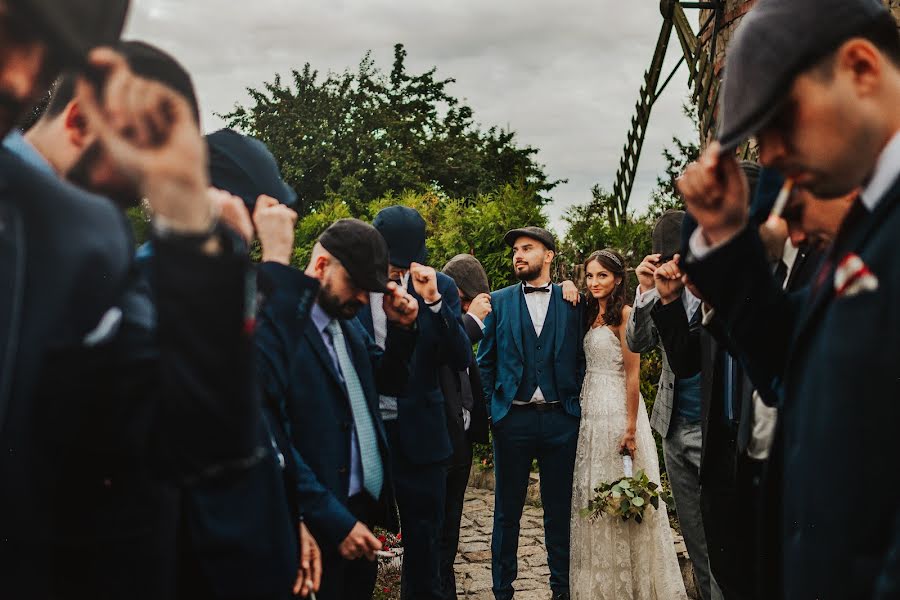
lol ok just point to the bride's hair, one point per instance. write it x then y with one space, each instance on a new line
613 262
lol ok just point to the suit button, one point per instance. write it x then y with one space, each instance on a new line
539 348
342 471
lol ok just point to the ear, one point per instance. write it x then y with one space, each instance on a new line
548 258
862 60
76 127
320 266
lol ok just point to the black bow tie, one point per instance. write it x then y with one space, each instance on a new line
531 290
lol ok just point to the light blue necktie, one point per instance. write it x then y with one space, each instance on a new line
373 476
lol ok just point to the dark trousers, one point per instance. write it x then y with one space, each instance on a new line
550 436
350 579
457 480
421 492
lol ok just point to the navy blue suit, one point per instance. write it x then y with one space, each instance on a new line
835 357
308 400
513 361
420 441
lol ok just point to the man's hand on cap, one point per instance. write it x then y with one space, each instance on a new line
399 306
716 193
424 280
275 228
149 130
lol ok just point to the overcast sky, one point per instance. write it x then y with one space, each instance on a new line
564 75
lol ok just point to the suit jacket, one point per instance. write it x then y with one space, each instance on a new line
501 358
452 390
308 400
836 359
442 341
642 336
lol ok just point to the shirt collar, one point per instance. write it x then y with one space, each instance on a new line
886 171
320 318
16 143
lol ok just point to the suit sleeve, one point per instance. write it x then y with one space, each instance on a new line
473 329
640 332
283 316
680 340
452 340
487 353
758 316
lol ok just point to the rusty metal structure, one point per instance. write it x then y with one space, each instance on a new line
703 52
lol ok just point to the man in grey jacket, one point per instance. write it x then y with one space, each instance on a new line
676 412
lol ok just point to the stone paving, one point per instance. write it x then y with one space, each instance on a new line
473 562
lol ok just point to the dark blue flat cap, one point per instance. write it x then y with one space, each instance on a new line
403 229
776 41
243 166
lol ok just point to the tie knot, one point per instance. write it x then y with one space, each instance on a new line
334 328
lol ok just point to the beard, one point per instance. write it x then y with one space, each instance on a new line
334 307
81 174
529 273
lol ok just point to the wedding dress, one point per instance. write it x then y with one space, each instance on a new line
613 559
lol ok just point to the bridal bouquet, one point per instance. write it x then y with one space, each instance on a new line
627 497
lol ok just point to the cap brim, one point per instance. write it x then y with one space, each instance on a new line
511 237
730 140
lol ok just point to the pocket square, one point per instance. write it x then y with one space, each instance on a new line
853 277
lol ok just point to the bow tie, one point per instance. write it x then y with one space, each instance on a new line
531 290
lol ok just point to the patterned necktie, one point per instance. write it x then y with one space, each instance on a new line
373 475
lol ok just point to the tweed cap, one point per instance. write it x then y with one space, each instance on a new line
468 274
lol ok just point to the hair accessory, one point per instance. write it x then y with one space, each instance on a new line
612 257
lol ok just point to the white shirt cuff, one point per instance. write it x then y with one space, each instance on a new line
642 300
477 320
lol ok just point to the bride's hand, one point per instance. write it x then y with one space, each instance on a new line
628 444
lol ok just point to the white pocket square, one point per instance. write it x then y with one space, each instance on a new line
853 277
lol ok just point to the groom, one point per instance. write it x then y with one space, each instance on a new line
532 366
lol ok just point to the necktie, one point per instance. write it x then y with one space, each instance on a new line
373 475
531 290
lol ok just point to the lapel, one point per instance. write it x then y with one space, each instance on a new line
12 273
517 319
318 346
558 306
855 241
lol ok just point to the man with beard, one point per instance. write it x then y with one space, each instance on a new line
322 381
817 82
213 517
94 513
532 367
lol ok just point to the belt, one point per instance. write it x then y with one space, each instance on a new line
540 406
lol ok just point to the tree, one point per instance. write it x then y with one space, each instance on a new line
359 136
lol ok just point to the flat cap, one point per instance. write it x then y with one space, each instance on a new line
468 274
536 233
403 229
667 234
777 40
361 250
75 27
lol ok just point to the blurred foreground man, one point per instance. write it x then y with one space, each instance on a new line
818 83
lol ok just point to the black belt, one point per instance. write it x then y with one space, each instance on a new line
540 406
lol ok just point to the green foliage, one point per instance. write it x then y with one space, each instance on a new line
359 136
140 224
454 226
625 498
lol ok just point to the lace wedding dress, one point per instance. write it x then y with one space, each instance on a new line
612 559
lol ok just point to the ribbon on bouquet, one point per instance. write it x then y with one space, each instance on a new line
627 465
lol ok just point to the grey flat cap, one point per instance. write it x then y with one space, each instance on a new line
667 234
75 27
536 233
466 271
776 41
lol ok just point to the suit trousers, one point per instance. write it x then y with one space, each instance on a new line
457 481
421 494
550 435
344 579
681 450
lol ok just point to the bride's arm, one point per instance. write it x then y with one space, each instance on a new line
632 362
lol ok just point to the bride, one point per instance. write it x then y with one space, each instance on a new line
613 559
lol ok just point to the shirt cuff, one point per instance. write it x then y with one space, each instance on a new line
699 246
436 308
642 300
477 320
